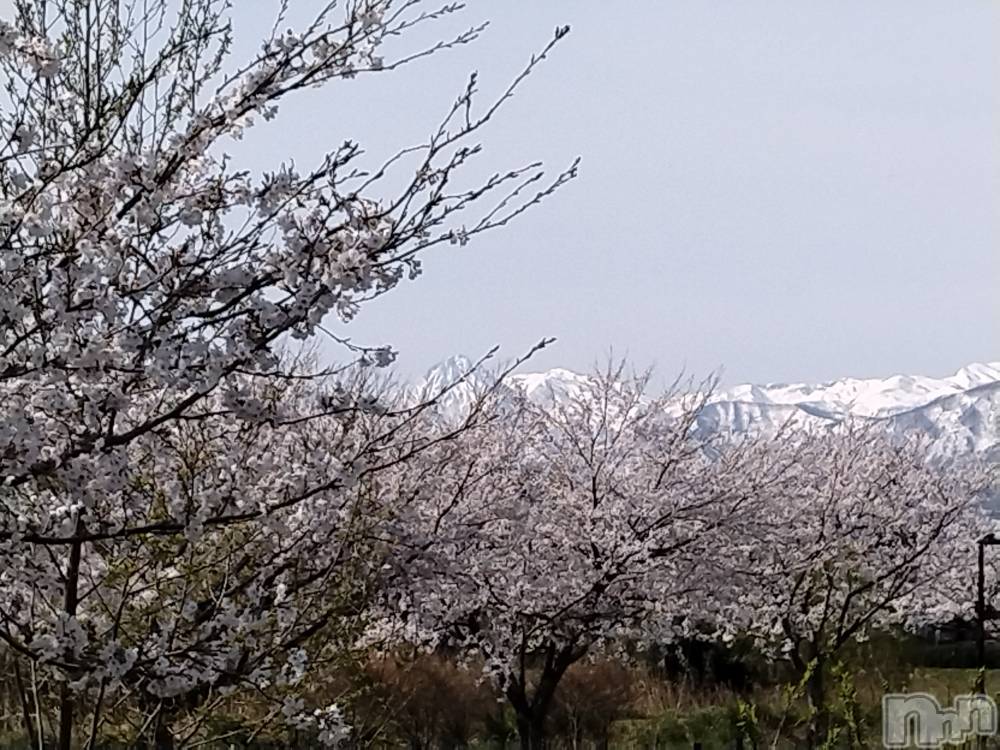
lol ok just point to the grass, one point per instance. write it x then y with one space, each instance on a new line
715 725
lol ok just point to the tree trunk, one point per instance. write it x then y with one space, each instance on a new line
815 692
70 602
532 712
163 738
531 731
29 724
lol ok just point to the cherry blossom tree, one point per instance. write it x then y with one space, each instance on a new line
548 533
177 505
862 533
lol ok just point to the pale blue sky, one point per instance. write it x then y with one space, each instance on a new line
792 190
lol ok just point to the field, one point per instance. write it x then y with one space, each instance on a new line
736 702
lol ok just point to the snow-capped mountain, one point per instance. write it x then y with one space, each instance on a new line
958 414
867 398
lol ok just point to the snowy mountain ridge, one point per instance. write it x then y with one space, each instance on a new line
959 414
872 397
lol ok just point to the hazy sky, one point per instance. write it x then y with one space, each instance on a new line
791 190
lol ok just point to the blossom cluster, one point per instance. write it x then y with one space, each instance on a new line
576 524
186 498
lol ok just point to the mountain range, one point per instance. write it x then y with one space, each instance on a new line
958 415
